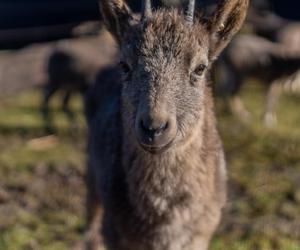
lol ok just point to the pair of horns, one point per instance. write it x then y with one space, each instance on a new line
147 11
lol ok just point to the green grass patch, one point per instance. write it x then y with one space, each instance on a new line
42 188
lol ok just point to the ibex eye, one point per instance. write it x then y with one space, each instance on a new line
200 69
124 67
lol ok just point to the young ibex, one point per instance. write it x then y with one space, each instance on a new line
274 64
155 159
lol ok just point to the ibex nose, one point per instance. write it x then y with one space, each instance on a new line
156 131
153 128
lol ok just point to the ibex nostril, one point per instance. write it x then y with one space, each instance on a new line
151 129
145 127
160 130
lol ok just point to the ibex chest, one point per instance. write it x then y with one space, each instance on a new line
169 198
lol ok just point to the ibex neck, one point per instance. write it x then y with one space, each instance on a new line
156 183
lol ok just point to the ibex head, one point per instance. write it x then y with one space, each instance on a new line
165 57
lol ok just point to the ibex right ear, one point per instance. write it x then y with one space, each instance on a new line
117 17
225 23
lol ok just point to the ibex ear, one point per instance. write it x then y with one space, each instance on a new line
225 23
117 17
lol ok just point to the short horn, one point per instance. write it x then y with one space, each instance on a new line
189 16
146 8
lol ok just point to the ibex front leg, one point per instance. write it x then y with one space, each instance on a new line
273 94
93 239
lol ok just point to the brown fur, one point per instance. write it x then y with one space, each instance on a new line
169 199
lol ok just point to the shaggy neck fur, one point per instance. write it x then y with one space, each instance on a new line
159 186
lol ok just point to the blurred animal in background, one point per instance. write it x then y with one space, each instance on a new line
274 64
156 171
267 24
68 73
270 55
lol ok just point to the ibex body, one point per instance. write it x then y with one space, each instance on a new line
68 73
275 28
155 159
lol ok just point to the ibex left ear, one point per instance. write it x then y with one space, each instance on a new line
225 23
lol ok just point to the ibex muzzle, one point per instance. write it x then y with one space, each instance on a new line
156 128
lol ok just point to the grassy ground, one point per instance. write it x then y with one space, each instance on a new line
41 179
42 189
263 211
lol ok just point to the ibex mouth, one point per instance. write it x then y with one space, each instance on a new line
157 149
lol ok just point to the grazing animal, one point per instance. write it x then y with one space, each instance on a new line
275 28
269 25
156 170
273 64
68 73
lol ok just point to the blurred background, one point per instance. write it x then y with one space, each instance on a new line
50 52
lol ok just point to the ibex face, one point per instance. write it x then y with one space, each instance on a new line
165 58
